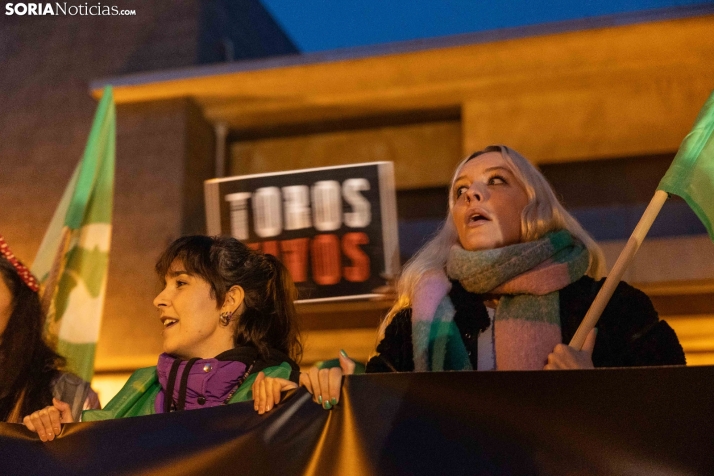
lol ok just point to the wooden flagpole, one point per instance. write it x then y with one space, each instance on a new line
50 287
618 270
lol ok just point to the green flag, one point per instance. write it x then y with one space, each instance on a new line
73 257
691 175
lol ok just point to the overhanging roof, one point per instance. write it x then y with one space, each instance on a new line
485 69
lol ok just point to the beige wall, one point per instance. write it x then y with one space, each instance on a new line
164 152
424 154
594 93
640 115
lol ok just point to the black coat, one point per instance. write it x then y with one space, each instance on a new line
629 330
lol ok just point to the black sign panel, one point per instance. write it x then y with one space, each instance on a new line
595 422
334 228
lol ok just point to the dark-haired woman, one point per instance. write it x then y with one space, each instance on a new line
30 375
228 315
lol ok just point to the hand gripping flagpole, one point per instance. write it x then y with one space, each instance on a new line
52 283
618 270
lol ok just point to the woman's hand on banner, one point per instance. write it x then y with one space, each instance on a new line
325 384
47 423
565 357
267 390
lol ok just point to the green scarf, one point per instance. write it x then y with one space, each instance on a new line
526 276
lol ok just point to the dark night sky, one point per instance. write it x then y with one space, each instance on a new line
320 25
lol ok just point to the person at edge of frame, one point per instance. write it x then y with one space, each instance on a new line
33 385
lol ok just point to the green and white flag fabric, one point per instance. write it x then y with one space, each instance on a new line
691 175
73 258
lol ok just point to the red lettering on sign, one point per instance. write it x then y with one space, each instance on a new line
359 271
271 248
295 258
326 259
326 253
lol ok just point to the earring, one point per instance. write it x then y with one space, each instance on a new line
225 318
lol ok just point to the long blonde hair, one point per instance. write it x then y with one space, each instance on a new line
543 213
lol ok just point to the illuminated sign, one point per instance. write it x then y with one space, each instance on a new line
334 228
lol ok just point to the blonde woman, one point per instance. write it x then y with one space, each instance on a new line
504 285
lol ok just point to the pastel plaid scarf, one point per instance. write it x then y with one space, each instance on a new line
526 276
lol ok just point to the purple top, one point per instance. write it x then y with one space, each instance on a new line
210 381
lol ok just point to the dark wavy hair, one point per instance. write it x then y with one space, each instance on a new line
269 320
28 365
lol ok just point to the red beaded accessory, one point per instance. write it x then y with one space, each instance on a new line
21 269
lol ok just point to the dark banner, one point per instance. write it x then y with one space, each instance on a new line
655 421
334 228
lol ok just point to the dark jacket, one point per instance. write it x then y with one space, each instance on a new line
629 330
